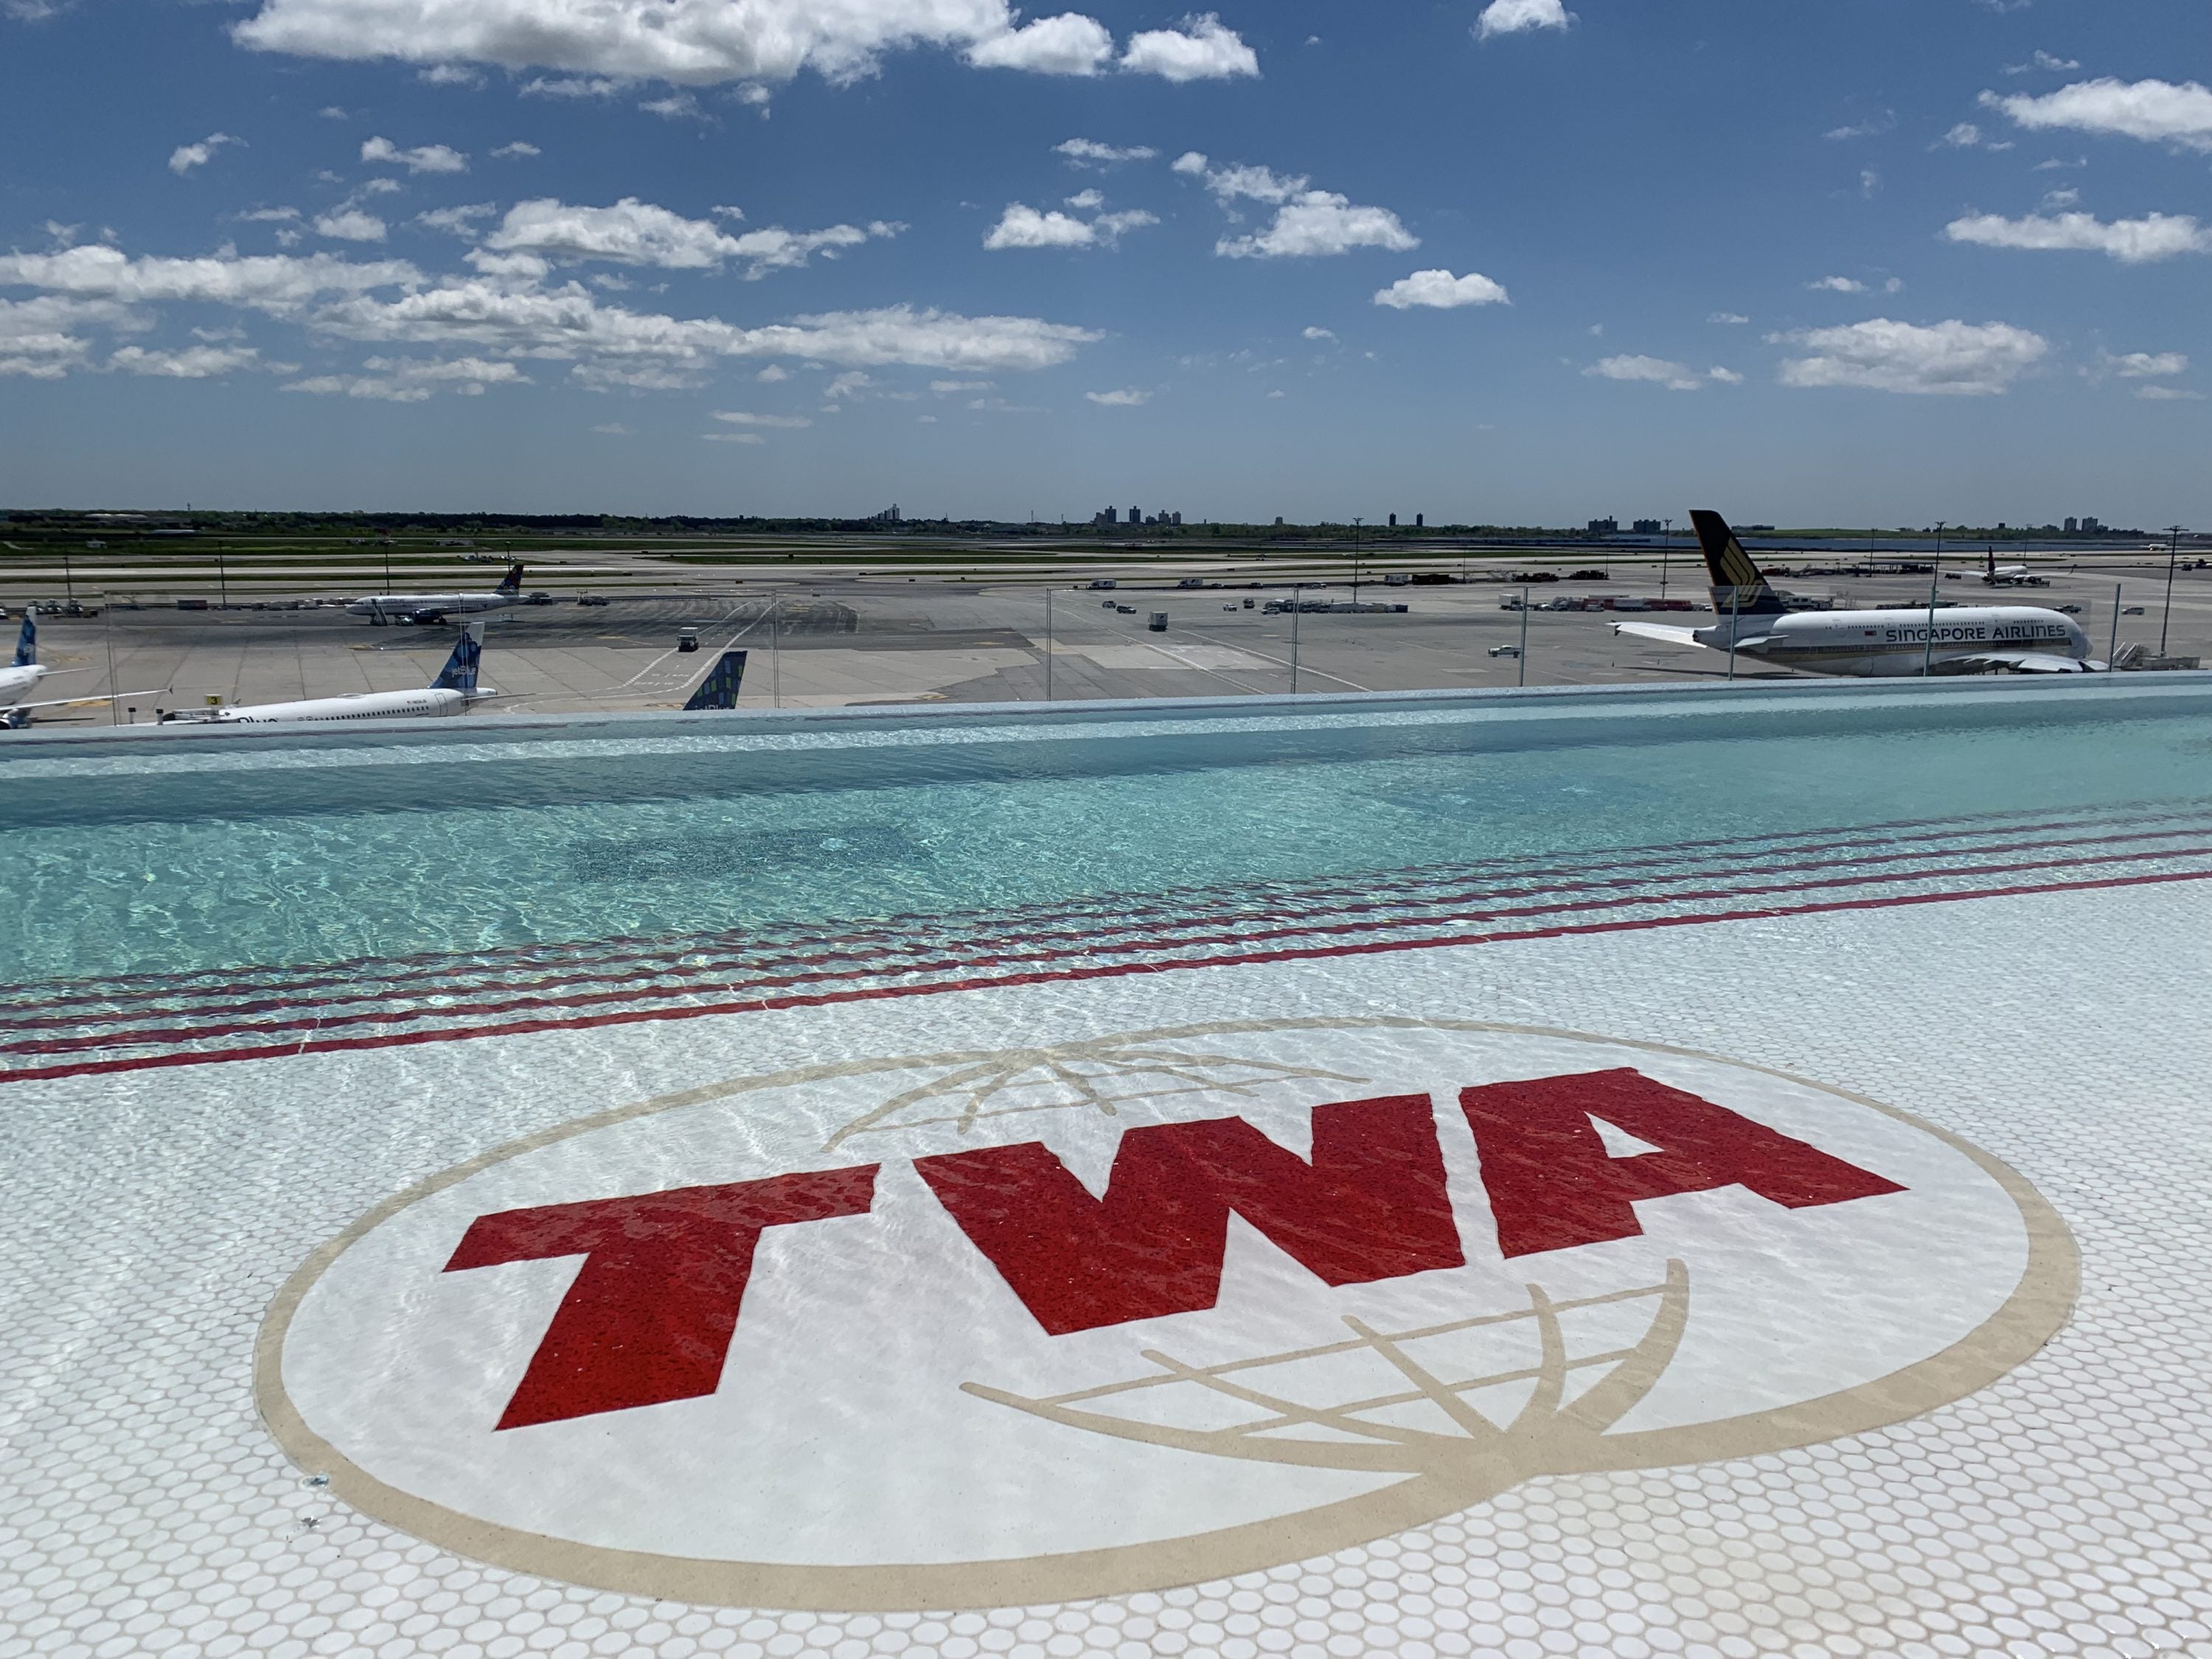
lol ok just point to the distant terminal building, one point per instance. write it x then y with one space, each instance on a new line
1604 526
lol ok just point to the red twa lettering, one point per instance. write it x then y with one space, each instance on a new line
1371 1205
1553 1185
650 1314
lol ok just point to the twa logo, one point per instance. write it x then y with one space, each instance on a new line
974 1328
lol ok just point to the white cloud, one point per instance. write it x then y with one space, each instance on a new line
1318 223
772 374
1087 200
572 86
1228 183
279 283
1951 358
1442 290
2162 394
849 385
2131 241
412 381
1967 136
1518 17
1729 317
346 224
733 437
2042 60
1838 285
1657 371
1201 50
637 233
1069 43
1023 227
1314 333
428 158
1725 376
185 157
1873 127
2148 365
2157 111
1127 397
946 388
691 43
275 215
516 150
450 75
1308 222
193 363
614 345
40 338
745 418
615 430
458 220
676 106
1090 153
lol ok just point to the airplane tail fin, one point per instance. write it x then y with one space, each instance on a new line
26 642
720 689
511 583
460 673
1739 586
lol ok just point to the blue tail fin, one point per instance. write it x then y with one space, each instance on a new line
460 673
26 642
1739 586
511 583
720 689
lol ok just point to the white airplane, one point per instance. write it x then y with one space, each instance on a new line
451 693
381 608
2010 575
27 671
1867 644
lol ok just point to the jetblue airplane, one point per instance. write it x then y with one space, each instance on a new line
381 608
451 693
1867 644
720 689
27 671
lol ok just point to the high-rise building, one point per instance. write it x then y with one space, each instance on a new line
2073 525
1419 519
1393 521
1603 526
1136 515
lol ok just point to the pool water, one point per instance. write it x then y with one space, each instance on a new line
128 858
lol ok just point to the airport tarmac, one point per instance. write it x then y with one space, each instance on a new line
819 641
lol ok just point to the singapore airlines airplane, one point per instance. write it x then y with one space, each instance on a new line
1870 644
381 608
451 693
27 671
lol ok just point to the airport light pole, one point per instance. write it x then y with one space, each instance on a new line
1297 589
1048 645
1522 661
2172 552
1666 557
1356 524
1934 571
2113 650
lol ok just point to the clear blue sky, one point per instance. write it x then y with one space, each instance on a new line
1830 261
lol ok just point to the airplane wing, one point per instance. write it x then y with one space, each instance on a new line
2023 662
1658 631
79 702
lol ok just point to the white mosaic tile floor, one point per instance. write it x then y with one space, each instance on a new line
2064 1508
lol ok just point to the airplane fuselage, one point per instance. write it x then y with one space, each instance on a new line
17 682
1880 643
369 705
427 607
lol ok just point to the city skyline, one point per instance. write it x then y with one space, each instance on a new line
1507 263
